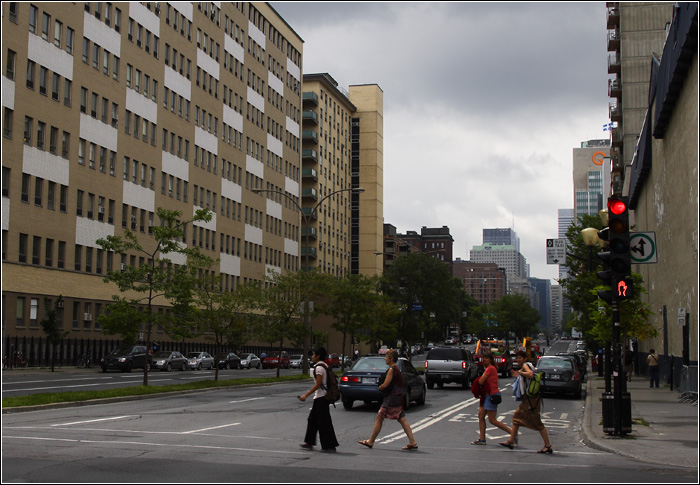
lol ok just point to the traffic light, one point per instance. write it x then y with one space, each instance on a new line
619 248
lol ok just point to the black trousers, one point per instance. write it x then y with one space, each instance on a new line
319 421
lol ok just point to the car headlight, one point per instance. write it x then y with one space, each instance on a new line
122 359
160 362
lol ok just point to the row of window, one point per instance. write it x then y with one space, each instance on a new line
44 76
101 58
81 312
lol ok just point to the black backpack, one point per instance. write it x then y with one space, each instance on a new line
331 387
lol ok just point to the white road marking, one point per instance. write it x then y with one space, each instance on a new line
246 400
207 429
63 387
93 420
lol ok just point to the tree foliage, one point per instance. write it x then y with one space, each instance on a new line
52 328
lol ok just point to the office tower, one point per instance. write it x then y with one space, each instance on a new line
590 173
112 110
501 236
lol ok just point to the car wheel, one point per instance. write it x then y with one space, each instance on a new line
199 367
347 403
170 367
431 385
465 383
184 366
104 369
440 385
406 400
257 366
577 394
129 365
228 366
421 400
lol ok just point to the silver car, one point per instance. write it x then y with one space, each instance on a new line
167 360
295 361
250 360
200 360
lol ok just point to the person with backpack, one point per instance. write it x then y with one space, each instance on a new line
319 420
528 413
489 398
392 405
653 363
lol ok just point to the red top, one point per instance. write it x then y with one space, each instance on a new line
491 384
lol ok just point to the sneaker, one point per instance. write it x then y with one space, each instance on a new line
329 450
306 446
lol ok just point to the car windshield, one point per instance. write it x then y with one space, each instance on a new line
164 354
192 355
121 351
371 364
445 354
554 364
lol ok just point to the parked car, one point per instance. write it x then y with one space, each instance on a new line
274 360
383 350
125 358
449 364
200 360
333 360
429 347
167 360
361 382
228 360
296 361
250 360
418 349
346 360
561 375
580 362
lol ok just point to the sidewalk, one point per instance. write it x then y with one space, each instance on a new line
671 437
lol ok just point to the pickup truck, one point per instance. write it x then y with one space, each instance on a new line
503 359
449 364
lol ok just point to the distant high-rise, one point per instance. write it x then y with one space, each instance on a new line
501 236
590 176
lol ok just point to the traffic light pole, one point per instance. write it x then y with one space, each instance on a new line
617 369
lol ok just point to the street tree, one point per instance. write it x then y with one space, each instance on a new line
52 328
157 278
514 314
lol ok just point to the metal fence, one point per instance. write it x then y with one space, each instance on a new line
689 384
36 352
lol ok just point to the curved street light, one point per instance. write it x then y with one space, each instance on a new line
307 224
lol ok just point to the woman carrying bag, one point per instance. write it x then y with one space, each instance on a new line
489 399
392 406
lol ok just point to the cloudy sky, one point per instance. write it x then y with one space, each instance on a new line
483 105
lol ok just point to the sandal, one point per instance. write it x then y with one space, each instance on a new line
508 444
546 449
479 442
368 444
410 447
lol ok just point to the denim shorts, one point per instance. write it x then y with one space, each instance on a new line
490 406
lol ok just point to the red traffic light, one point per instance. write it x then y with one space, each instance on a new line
616 206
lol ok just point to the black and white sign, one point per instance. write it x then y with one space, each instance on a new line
556 251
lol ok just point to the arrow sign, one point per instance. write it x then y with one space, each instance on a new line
643 247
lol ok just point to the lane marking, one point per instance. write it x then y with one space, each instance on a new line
246 400
65 387
207 429
94 420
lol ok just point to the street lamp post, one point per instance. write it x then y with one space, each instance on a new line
306 218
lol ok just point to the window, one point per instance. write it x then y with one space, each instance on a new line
38 190
115 68
65 147
57 34
55 86
28 124
48 253
10 66
43 73
36 254
61 259
70 35
32 19
67 88
64 199
96 56
117 19
13 11
81 151
40 135
105 62
86 49
22 254
53 140
79 203
51 196
7 124
78 257
30 74
20 311
83 100
45 24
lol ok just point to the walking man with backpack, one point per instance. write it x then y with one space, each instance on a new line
528 413
319 420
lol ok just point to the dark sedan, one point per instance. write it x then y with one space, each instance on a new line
561 375
361 382
228 361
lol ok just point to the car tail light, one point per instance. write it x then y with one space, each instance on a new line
426 364
350 379
576 375
464 365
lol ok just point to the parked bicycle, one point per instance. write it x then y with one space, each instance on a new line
20 360
85 361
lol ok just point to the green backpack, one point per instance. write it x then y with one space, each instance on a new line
533 386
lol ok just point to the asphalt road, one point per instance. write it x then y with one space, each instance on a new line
252 435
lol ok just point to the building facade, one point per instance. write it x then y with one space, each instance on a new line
591 176
112 110
485 282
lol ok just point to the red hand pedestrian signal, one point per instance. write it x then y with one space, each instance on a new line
621 289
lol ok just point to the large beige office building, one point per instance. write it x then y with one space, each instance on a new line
112 110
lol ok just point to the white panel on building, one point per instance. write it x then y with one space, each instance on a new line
291 186
51 57
176 166
175 82
234 48
211 225
253 234
207 63
254 166
87 231
141 105
136 196
206 140
5 214
229 264
274 209
255 99
97 132
293 127
275 83
275 145
256 34
293 69
40 163
272 269
232 118
145 17
231 190
185 8
291 247
8 93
